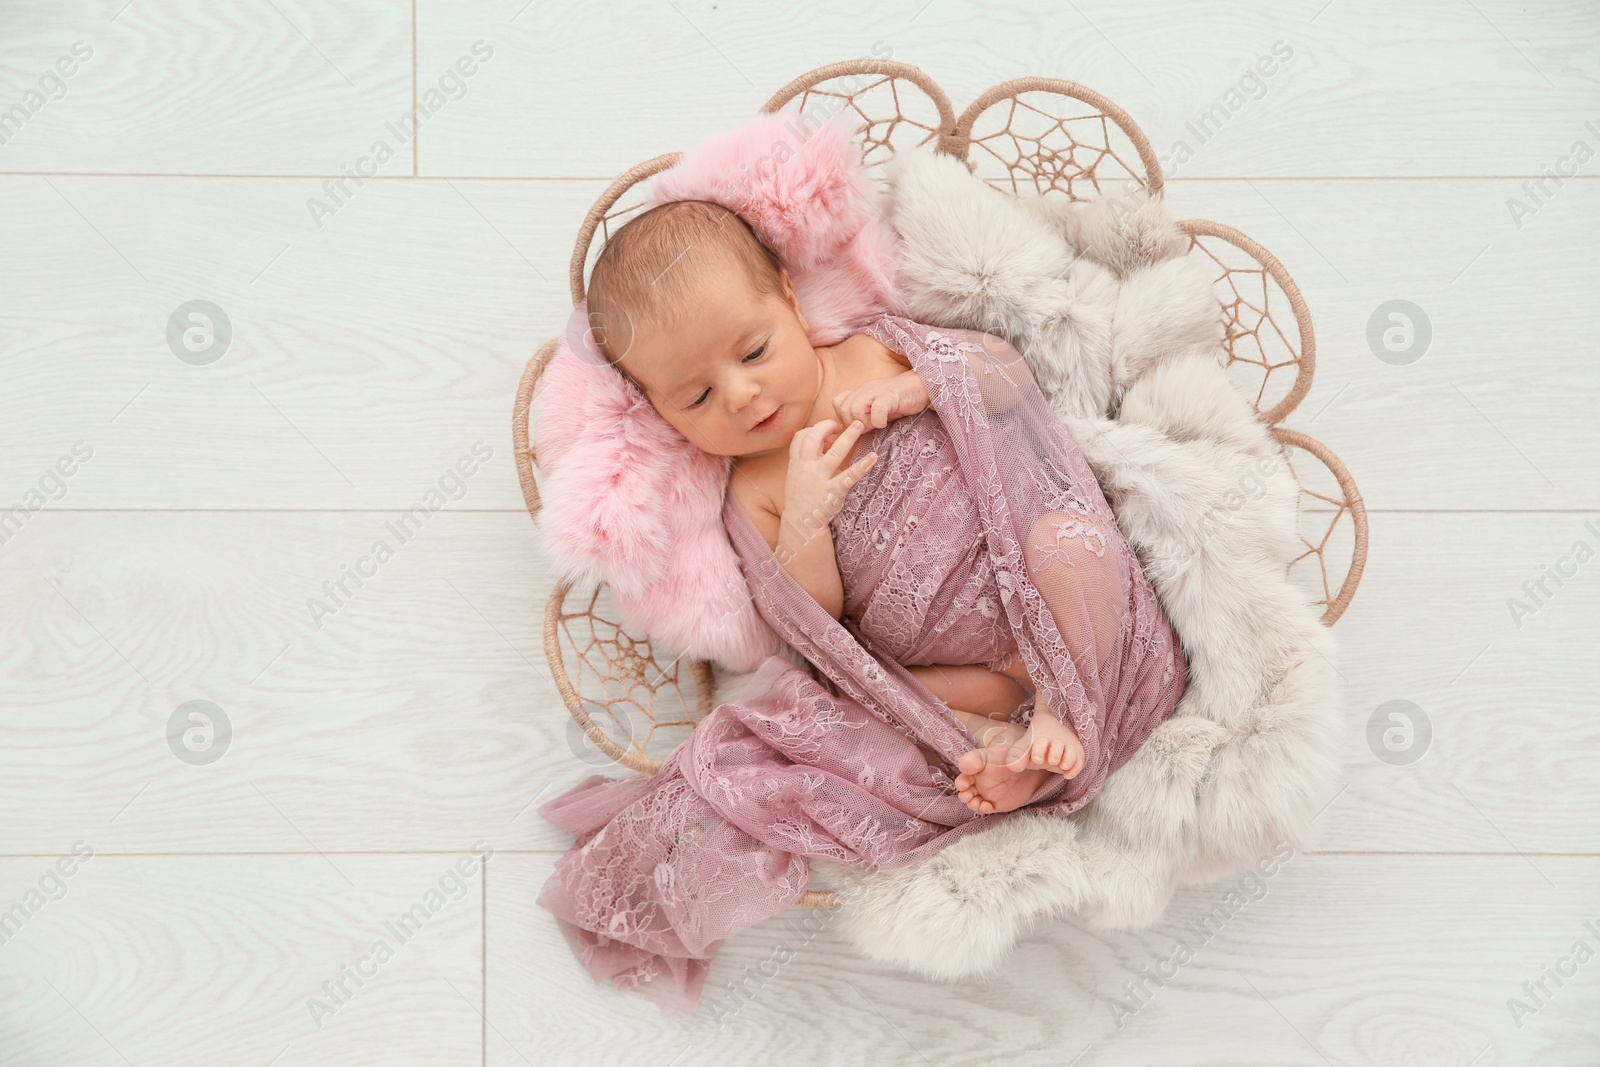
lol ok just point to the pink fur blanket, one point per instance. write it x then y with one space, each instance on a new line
627 499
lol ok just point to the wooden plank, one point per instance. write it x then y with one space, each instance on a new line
420 710
329 329
377 332
341 76
426 685
1438 91
367 356
1486 413
179 87
1327 959
1489 679
223 959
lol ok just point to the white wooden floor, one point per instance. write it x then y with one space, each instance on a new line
374 749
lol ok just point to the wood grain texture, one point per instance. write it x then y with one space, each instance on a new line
368 355
175 87
376 342
1414 90
217 959
1329 959
421 714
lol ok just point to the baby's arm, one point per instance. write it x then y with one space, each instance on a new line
880 401
996 363
814 491
805 548
811 563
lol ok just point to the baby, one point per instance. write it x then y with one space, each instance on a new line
698 313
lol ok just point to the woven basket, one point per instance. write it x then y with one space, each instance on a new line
1030 136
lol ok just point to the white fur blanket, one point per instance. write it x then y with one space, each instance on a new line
1123 332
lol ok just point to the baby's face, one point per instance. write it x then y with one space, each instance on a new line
735 374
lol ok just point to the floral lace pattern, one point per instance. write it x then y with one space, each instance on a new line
980 536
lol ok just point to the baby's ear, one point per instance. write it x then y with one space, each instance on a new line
794 301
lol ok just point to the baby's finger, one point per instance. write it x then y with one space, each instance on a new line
846 441
811 437
880 411
848 405
832 439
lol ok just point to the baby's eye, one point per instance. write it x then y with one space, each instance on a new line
752 356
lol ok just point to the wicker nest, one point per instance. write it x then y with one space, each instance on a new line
1030 136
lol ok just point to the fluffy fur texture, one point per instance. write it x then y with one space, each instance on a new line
1121 321
806 195
638 506
1122 332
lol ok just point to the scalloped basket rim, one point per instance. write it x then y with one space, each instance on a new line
954 138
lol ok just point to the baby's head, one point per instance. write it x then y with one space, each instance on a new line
689 304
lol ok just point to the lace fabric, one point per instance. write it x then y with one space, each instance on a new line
979 536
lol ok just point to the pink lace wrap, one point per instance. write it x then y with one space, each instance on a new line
979 534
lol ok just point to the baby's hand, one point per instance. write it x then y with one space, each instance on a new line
878 402
815 486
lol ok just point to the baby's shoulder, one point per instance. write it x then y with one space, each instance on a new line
872 356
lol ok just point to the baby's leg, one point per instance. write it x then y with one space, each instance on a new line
1080 577
1073 566
972 688
993 786
982 699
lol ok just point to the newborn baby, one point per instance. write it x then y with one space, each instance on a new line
699 314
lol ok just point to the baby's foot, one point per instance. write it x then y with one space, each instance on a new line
986 784
1048 743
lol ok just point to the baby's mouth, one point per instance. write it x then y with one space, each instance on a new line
769 422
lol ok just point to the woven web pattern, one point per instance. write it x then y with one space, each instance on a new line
1325 524
1045 153
1263 335
885 111
893 113
626 693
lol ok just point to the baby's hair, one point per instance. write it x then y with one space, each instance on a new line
648 267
